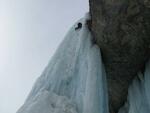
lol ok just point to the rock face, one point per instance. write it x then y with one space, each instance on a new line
122 31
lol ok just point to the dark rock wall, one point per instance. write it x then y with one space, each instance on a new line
122 31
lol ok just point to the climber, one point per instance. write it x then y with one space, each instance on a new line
79 26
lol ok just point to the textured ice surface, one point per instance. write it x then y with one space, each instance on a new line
74 81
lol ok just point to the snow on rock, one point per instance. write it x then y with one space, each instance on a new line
73 81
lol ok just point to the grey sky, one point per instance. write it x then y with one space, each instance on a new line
30 31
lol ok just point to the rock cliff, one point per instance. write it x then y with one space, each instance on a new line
122 31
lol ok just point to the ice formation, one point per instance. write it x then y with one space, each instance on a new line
139 94
74 81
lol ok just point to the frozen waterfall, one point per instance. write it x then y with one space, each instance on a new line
74 80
